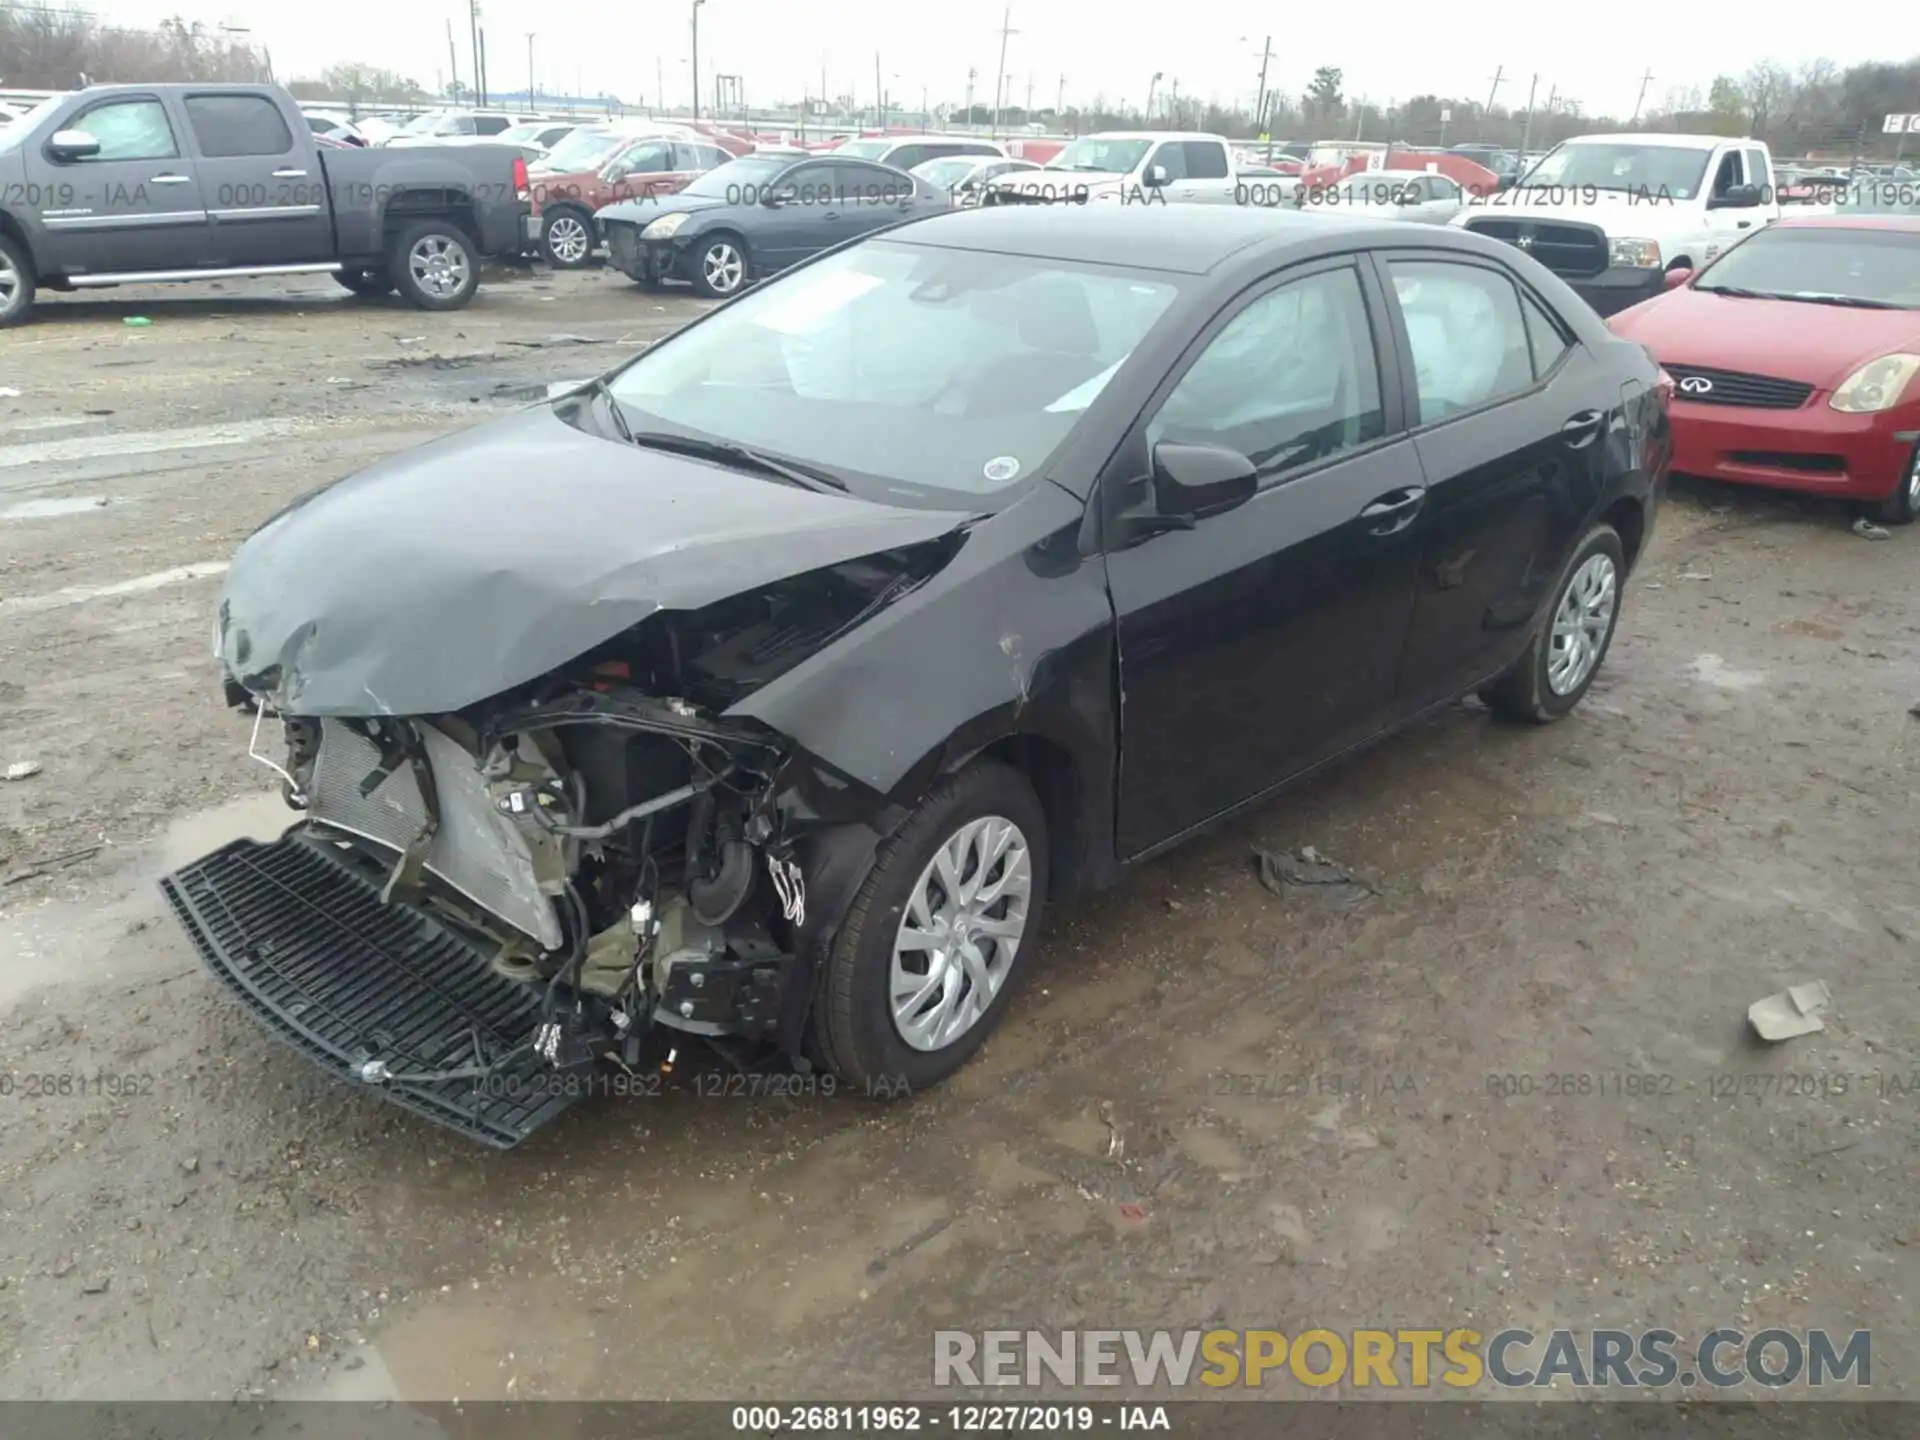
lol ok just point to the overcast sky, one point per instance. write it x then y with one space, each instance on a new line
1391 51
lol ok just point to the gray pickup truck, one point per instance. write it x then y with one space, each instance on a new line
132 184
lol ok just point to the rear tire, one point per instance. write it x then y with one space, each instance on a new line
433 265
16 282
1571 645
568 238
1903 506
878 965
368 284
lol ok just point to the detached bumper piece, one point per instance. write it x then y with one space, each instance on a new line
362 987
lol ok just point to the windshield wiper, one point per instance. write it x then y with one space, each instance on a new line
598 386
741 457
1738 292
1853 301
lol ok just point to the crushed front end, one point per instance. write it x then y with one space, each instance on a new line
477 906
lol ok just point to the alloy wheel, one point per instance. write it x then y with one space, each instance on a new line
724 267
960 932
1581 622
10 285
439 264
567 238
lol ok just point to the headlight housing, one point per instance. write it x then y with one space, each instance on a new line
1876 385
666 227
1633 254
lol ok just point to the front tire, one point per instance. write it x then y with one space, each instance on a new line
1903 506
433 265
936 937
567 239
1566 652
722 268
16 282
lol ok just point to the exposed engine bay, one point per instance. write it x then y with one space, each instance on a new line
603 839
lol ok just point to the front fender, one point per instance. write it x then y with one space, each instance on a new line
1007 639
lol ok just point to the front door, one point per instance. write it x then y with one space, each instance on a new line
265 196
1511 421
1265 639
135 206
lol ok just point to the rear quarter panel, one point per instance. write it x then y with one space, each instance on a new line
362 185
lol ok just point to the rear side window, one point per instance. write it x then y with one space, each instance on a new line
228 125
908 156
1470 341
1545 335
1206 160
490 124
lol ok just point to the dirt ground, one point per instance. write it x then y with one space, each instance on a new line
1732 810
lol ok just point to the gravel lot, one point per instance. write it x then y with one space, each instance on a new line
1732 810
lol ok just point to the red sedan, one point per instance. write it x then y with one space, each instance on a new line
1794 358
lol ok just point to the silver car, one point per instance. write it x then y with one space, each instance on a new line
1424 197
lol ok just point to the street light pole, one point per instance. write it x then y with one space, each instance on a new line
530 89
696 57
1000 80
1148 113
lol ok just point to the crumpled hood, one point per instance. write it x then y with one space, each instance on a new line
1818 345
481 561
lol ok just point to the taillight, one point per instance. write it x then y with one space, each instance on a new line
522 188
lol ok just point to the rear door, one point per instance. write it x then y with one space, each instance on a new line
1209 173
1509 417
266 206
1267 638
136 206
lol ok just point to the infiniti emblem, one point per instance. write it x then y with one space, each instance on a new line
1696 385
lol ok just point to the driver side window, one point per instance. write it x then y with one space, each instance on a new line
128 130
1290 380
1728 175
1171 157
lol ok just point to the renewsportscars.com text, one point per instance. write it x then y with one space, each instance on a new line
1415 1359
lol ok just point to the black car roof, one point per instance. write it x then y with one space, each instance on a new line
1186 239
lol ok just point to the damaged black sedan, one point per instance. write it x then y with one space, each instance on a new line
767 690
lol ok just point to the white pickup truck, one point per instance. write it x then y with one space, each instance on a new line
1613 214
1150 167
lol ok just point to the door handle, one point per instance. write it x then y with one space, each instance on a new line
1395 510
289 174
170 180
1582 429
1745 224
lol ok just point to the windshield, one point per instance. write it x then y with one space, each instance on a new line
736 178
864 149
528 134
1881 267
1112 157
424 124
925 377
584 150
1673 171
945 174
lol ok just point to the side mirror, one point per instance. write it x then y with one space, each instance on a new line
72 145
1676 277
1193 481
1155 177
1506 182
1736 197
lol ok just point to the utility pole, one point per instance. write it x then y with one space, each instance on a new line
1000 80
1060 99
1526 135
1147 114
1173 103
926 116
696 57
1499 73
1645 80
1260 101
483 65
530 90
473 44
1028 112
659 84
879 95
971 73
453 55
